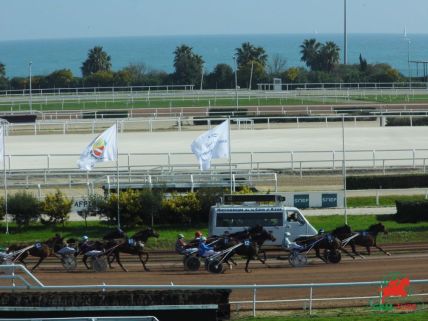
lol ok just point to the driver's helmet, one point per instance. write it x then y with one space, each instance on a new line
321 231
203 238
85 238
180 236
198 234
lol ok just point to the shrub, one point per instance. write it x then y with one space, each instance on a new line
180 208
411 211
56 207
24 208
129 208
151 203
386 181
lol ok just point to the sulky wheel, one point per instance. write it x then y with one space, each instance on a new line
333 256
99 263
69 262
215 266
297 259
192 263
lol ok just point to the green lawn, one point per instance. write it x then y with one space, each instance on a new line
401 233
389 200
418 316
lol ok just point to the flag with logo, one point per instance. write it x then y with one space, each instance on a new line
212 144
101 149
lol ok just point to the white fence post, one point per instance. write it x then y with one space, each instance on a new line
310 300
254 300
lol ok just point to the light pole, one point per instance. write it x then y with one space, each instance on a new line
408 62
345 35
236 80
31 98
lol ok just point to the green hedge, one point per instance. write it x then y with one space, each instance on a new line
411 212
387 181
405 121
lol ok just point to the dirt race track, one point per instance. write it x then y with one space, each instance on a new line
164 272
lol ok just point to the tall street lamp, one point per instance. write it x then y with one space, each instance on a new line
236 80
31 100
345 36
408 62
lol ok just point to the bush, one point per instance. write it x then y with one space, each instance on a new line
180 209
24 208
129 208
151 203
411 212
56 206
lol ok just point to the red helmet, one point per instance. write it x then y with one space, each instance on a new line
198 234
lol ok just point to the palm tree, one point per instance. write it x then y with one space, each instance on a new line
329 55
249 53
98 60
188 65
309 50
2 70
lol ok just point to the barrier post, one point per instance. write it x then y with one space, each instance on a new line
254 300
310 301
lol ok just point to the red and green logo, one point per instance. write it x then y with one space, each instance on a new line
98 148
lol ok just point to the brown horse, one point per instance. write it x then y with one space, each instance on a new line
134 246
331 245
366 239
250 241
40 249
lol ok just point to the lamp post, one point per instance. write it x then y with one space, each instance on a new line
236 80
345 35
408 62
31 98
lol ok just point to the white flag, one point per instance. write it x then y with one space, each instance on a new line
101 149
212 144
1 144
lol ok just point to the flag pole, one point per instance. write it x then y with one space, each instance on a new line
230 159
117 172
344 169
5 180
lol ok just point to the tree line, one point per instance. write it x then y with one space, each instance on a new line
252 67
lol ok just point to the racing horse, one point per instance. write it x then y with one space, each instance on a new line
366 239
40 249
251 241
327 241
84 247
133 245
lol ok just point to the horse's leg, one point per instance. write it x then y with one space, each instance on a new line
368 250
354 250
119 262
38 263
246 264
140 255
84 260
347 252
318 255
381 249
263 260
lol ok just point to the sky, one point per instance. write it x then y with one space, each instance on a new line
44 19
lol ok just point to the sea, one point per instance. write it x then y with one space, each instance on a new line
157 52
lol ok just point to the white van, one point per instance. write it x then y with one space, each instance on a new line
258 209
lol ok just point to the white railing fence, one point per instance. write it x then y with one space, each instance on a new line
22 279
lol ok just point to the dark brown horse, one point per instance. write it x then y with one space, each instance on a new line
134 245
249 244
331 245
366 239
40 249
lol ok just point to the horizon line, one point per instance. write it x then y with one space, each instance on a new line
212 35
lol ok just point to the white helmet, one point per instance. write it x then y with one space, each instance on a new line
85 238
203 238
